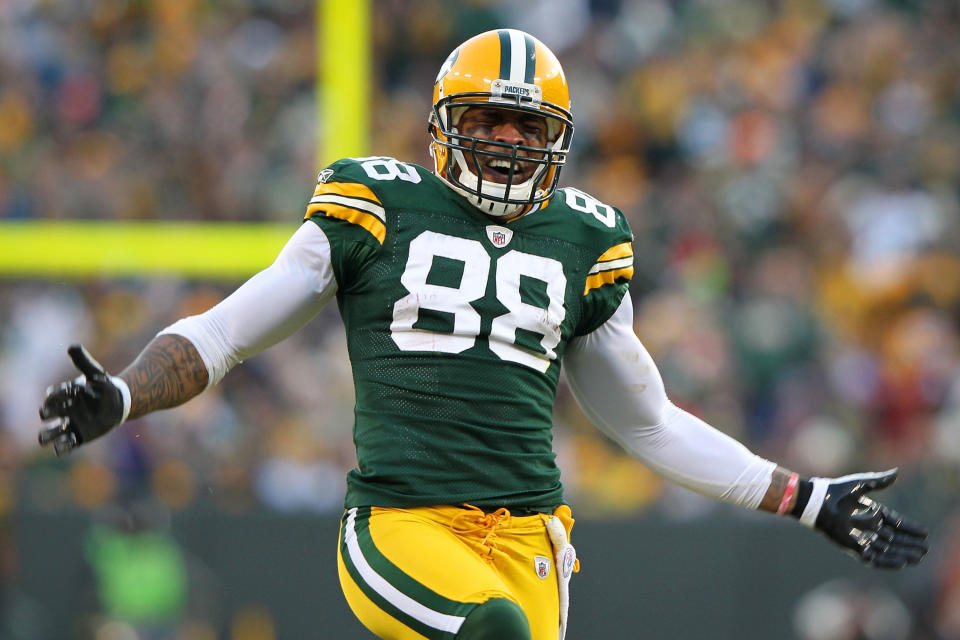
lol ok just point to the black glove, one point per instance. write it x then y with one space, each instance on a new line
869 531
85 408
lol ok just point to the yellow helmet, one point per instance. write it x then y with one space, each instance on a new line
511 70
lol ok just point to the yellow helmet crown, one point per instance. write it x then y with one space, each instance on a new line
511 70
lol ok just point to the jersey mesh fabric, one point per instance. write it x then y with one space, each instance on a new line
453 402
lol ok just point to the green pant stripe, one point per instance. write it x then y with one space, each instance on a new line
399 580
382 602
395 576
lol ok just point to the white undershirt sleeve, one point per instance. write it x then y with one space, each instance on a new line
267 308
618 386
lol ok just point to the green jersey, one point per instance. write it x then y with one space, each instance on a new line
456 327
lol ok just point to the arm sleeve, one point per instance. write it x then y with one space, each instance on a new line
618 386
267 308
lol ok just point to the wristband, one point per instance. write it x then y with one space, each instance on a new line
121 384
788 493
817 496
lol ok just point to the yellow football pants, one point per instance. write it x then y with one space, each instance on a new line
417 573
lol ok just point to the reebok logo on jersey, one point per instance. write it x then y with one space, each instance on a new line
499 236
324 175
542 566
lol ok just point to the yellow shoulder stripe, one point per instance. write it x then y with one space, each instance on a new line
351 202
347 189
616 263
597 280
619 251
361 218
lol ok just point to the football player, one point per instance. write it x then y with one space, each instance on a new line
463 288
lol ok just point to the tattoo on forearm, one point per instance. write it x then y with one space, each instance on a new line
167 373
778 486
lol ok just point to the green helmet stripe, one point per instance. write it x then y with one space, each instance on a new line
505 54
530 61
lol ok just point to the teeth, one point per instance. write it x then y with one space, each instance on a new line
499 164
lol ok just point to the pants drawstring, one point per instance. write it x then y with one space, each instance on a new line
476 520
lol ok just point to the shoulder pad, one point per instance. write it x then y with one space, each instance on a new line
372 171
363 190
591 212
604 230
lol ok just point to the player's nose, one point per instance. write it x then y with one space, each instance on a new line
508 132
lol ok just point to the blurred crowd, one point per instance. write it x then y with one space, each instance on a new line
791 172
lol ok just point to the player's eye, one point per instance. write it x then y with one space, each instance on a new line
534 127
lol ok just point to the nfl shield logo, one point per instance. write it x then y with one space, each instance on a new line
542 565
499 236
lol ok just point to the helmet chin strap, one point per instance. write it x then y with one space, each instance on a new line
521 191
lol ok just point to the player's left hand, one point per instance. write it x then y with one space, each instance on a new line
868 530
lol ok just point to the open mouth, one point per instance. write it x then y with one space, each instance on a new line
498 170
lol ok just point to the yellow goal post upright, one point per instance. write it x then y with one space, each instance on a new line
82 249
344 43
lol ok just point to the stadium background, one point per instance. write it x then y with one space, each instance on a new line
790 170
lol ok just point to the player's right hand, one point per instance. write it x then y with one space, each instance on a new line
85 408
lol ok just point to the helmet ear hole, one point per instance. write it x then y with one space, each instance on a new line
440 155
